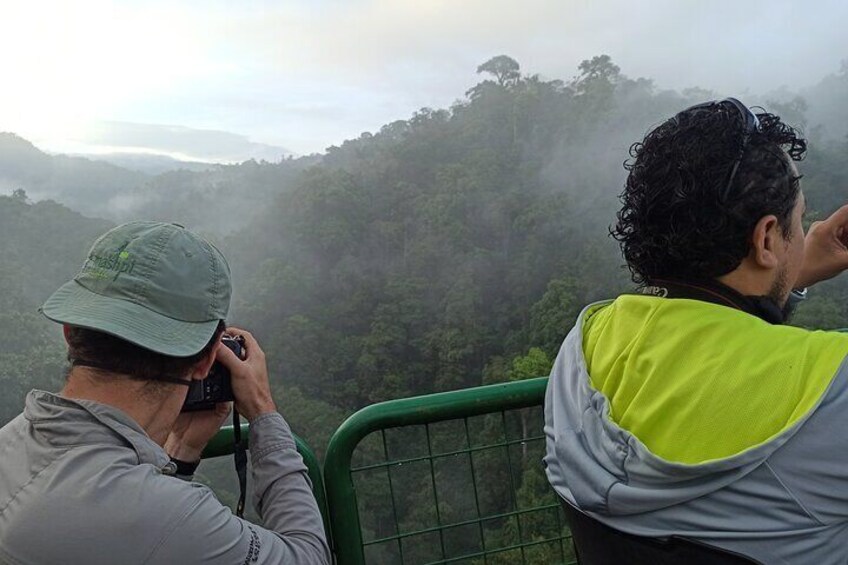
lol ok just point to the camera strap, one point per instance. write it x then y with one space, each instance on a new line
240 459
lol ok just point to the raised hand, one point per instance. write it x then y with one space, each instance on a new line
249 376
825 249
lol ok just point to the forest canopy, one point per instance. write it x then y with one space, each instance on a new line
446 250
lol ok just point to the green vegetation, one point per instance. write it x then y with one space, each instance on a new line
42 244
444 251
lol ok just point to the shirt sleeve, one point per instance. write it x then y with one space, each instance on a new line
292 531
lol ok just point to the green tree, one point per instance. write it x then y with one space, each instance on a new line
552 317
506 70
598 76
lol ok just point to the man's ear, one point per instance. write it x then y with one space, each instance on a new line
202 367
766 241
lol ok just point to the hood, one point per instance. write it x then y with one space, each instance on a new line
69 422
603 467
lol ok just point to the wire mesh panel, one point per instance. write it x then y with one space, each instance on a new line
449 478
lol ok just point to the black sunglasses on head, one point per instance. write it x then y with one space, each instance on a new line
750 122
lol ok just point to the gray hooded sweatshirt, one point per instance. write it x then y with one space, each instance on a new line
81 482
780 497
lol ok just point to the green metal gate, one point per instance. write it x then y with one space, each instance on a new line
453 477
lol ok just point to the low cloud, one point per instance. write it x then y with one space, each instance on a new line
180 142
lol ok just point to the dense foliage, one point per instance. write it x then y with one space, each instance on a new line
41 244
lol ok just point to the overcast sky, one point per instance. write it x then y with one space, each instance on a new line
307 74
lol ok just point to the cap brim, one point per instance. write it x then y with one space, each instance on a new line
75 305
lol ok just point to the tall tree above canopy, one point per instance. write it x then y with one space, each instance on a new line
595 72
506 70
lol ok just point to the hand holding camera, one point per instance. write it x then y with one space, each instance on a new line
248 376
239 373
216 387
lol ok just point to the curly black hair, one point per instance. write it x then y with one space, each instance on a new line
674 221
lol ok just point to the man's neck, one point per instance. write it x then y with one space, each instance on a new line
746 282
717 293
129 396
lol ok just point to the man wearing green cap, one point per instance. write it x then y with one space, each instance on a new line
93 474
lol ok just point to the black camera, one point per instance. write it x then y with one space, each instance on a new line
216 387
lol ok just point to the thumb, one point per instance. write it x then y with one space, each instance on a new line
226 356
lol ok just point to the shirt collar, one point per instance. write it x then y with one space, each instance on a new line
75 421
715 292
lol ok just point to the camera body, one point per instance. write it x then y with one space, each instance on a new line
216 387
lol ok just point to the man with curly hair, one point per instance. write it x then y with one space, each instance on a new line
688 409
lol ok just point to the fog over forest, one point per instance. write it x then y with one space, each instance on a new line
446 250
425 256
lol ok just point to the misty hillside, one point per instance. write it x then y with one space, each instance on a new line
220 200
211 198
94 188
427 255
42 244
826 105
150 164
447 250
433 253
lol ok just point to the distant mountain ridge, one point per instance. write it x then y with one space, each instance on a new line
93 188
179 142
147 163
205 196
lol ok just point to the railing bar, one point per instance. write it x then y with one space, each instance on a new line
498 550
392 494
474 486
435 491
512 485
463 523
445 454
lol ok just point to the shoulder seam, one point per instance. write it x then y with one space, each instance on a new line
32 479
792 495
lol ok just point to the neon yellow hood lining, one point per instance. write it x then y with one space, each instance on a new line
696 382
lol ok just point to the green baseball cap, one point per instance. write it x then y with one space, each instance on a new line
153 284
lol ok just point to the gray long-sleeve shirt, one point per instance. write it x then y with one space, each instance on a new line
81 482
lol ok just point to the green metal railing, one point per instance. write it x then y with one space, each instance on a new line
453 477
446 478
222 444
